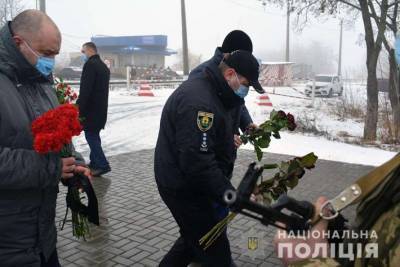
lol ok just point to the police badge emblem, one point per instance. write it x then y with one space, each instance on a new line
205 120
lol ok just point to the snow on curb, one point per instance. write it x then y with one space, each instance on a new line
300 145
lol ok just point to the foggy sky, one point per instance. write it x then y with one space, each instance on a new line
208 22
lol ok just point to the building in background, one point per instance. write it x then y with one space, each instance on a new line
140 51
276 74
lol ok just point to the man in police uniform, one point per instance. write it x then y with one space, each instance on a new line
235 40
241 119
194 155
378 212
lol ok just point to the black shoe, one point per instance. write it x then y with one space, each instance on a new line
99 172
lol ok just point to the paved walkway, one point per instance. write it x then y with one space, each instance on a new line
137 229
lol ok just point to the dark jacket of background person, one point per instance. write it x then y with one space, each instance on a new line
28 181
93 94
240 115
180 164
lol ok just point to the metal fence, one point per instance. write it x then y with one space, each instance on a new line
135 84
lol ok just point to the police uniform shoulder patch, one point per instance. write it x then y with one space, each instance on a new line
205 120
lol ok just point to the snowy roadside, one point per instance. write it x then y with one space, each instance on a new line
133 124
300 145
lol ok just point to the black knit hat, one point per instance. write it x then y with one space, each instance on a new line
237 40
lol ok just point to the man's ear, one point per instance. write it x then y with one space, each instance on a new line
228 73
18 40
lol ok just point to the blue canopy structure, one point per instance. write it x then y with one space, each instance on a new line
135 51
148 44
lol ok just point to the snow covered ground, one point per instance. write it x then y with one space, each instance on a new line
292 100
133 124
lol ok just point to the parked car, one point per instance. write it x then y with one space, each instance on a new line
325 85
70 73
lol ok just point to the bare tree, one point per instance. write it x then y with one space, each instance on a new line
374 15
394 90
9 9
374 46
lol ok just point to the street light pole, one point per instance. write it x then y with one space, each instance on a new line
287 58
340 48
185 51
42 5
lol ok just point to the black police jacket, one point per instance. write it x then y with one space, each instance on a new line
195 150
241 115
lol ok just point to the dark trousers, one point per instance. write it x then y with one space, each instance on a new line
52 261
195 216
97 158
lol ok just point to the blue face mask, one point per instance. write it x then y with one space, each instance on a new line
84 58
243 90
44 65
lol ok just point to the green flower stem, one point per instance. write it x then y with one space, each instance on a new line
80 224
209 238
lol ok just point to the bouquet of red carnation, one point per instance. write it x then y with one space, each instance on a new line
65 94
52 133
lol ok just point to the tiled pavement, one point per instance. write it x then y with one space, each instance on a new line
137 229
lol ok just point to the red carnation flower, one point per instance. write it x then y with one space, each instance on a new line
55 129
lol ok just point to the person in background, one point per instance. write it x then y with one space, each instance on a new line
93 105
29 181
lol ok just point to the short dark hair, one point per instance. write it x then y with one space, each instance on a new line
223 66
91 45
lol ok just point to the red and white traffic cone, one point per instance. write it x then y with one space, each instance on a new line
264 100
145 90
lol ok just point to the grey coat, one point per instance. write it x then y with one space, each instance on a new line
28 181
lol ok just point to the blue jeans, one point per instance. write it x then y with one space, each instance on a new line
97 158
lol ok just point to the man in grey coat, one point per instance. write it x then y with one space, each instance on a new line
28 181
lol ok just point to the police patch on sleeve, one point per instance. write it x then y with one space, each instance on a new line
205 120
